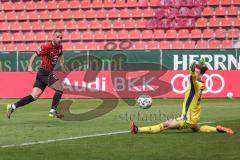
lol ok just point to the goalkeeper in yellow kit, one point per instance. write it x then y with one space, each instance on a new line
191 108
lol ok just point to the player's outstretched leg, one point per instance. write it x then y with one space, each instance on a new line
36 92
169 124
218 128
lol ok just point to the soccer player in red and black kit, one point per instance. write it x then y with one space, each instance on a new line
51 53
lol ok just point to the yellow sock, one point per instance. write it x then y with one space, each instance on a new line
151 129
208 129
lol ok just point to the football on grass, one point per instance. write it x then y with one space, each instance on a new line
144 101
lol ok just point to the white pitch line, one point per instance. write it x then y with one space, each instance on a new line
63 139
71 138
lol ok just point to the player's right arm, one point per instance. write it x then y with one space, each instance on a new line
33 57
193 74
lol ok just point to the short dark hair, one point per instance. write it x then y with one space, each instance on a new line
57 31
203 68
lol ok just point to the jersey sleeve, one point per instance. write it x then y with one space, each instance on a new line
193 79
42 50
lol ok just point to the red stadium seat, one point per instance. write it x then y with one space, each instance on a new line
59 25
196 34
101 14
137 13
10 47
208 11
22 16
56 15
19 6
74 4
41 36
65 35
30 36
113 13
125 13
95 24
4 26
202 22
132 3
154 3
8 6
15 26
221 33
214 44
92 46
48 25
49 36
183 34
164 45
118 24
106 24
233 33
171 34
63 4
142 3
32 15
82 25
123 34
201 44
80 46
86 4
43 15
220 11
6 37
11 16
78 14
139 45
236 2
129 24
108 4
37 25
26 26
213 2
147 34
97 4
227 22
90 14
214 22
71 25
142 23
30 5
226 2
148 12
208 33
2 16
189 44
75 35
87 35
232 11
41 5
32 46
135 34
21 47
68 46
67 14
2 47
227 44
236 22
52 5
177 45
18 36
111 35
152 45
99 35
120 3
159 34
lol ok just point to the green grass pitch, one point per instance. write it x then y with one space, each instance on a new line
31 124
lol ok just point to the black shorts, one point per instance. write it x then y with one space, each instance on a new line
44 79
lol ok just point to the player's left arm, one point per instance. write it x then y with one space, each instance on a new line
193 78
62 64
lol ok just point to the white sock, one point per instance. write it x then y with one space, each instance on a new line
13 106
52 110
